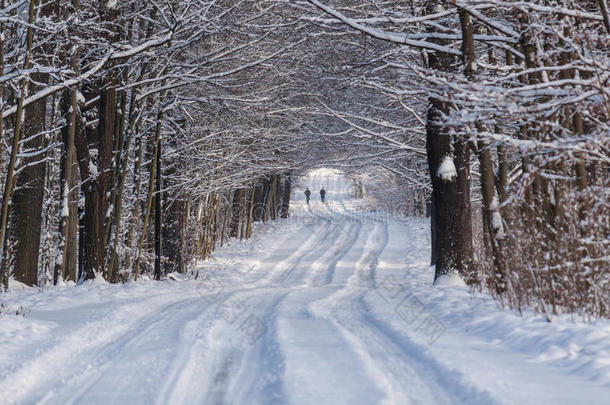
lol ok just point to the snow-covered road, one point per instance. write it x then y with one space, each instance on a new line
332 306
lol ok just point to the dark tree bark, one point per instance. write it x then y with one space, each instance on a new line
173 235
433 230
65 265
71 268
158 218
10 172
270 199
286 188
603 5
96 185
452 210
29 192
258 210
235 213
492 229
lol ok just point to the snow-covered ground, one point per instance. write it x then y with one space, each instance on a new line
331 306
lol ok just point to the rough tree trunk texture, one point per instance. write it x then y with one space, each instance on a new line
216 227
66 185
258 213
119 151
270 199
451 211
158 216
2 63
122 168
175 211
200 227
71 260
250 213
186 252
96 186
491 228
278 197
210 245
204 227
452 208
579 168
225 222
69 228
433 231
151 188
244 213
502 175
135 212
10 172
603 5
29 192
118 203
235 213
286 189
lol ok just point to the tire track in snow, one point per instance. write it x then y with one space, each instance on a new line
323 270
296 321
145 349
258 379
64 360
390 363
328 235
188 364
232 358
260 367
288 264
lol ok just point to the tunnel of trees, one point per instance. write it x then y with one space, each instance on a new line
136 137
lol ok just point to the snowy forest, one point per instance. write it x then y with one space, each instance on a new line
136 137
305 202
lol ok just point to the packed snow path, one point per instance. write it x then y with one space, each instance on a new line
332 306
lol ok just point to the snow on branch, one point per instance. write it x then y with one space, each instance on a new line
386 35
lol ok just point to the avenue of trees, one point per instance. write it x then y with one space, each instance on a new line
517 108
138 136
128 124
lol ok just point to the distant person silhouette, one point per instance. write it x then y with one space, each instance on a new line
322 194
307 194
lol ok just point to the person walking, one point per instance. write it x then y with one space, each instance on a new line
322 194
307 194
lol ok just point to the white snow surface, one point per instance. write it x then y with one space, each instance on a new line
334 305
447 170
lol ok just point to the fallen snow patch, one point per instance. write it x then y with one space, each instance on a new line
450 280
446 170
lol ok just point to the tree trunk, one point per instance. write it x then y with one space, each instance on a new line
173 240
67 162
96 185
270 199
151 187
71 259
158 217
492 219
286 189
235 213
10 172
603 5
29 192
451 195
250 213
